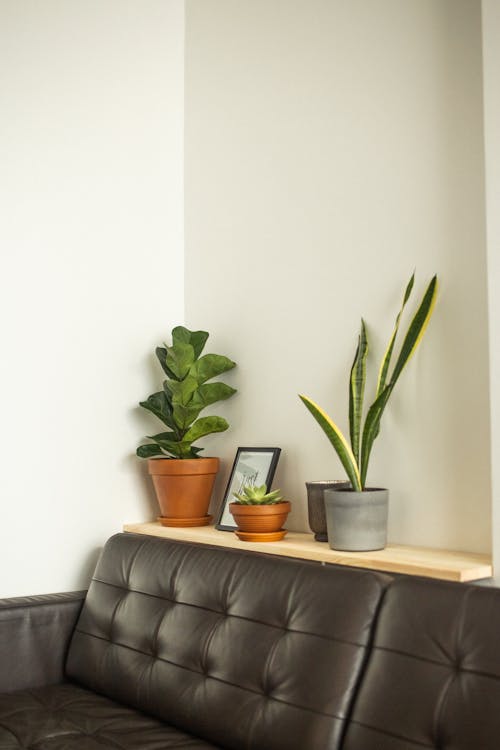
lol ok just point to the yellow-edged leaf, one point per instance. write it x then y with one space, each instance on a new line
356 391
416 329
338 441
411 341
386 359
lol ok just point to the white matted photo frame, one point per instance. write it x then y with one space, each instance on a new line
251 466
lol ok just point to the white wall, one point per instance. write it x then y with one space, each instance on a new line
330 148
491 74
91 138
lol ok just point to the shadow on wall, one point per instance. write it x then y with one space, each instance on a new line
88 567
147 494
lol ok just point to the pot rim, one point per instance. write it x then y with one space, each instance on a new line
162 465
317 482
350 499
283 507
362 492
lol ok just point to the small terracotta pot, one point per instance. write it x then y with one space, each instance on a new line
183 486
260 518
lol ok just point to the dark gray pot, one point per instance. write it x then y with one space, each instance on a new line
316 505
357 521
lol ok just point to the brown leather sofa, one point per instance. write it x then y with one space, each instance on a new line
186 646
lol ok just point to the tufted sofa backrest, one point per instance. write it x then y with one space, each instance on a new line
433 675
243 650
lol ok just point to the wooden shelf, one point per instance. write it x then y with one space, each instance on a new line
395 558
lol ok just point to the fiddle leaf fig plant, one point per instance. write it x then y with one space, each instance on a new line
355 457
185 394
253 495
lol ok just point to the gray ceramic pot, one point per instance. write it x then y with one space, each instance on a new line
316 505
357 521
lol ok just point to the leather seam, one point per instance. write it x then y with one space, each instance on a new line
217 679
452 678
446 665
134 558
208 641
329 639
132 561
46 603
364 664
390 734
105 742
400 652
9 730
175 576
265 680
439 708
269 659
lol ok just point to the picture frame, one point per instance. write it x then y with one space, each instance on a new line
251 466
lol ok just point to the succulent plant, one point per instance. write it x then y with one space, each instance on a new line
185 394
253 495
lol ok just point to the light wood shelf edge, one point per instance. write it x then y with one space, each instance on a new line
421 561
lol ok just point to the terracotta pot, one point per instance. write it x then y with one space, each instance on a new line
260 518
183 487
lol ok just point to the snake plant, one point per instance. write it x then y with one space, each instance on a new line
185 394
355 457
253 495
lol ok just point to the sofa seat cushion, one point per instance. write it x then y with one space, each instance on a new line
68 717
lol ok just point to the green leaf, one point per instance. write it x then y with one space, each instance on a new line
416 329
205 426
161 353
181 450
209 366
253 495
210 393
411 341
188 405
356 391
338 441
180 357
197 339
168 443
158 404
372 429
149 451
181 390
163 437
184 416
384 366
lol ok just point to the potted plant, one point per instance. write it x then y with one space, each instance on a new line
183 481
316 505
259 514
357 516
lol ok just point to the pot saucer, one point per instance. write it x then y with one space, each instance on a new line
264 536
166 521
